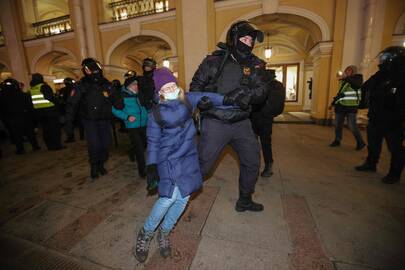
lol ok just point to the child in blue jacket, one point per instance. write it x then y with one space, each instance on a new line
172 158
135 117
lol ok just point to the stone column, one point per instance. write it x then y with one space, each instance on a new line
195 35
14 45
76 16
90 15
321 57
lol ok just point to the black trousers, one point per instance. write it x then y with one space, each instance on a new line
51 129
264 129
20 126
394 136
137 137
98 136
216 134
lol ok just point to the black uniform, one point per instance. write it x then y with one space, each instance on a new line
262 118
91 96
146 89
224 72
48 117
385 94
16 111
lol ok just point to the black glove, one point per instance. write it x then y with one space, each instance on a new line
205 103
239 97
152 176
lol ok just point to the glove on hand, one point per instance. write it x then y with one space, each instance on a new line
152 176
239 97
205 103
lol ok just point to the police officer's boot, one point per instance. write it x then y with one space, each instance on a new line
94 171
366 167
245 203
267 172
101 168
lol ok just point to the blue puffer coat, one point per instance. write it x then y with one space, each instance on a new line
173 148
133 107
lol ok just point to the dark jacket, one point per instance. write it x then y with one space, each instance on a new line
132 107
146 90
384 95
232 76
92 99
15 103
173 148
263 113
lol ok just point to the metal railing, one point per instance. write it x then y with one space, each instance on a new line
53 26
126 9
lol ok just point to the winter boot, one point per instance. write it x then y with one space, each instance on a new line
360 146
142 245
366 167
335 143
267 172
94 171
390 179
245 203
164 243
101 168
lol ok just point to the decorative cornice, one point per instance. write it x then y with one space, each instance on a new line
223 5
44 40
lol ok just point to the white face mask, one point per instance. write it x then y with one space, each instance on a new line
172 95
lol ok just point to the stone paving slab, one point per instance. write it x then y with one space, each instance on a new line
350 266
42 221
224 254
110 244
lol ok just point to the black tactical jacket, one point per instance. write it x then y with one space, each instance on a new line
232 76
92 99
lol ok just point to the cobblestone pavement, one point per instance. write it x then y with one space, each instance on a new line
319 212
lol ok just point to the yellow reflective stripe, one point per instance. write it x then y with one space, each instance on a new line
37 96
40 101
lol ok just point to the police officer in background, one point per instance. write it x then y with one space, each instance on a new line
16 111
146 85
45 104
262 116
234 72
384 95
91 96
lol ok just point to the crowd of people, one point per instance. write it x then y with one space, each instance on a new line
237 99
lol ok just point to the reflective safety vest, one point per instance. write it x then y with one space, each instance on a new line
348 96
38 99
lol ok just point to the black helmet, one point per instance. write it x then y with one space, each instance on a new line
91 68
240 50
116 84
129 73
392 59
240 29
68 81
36 78
149 62
130 80
11 84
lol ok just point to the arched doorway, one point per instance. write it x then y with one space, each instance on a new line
57 65
129 55
290 39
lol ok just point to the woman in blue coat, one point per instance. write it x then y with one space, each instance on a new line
135 117
172 158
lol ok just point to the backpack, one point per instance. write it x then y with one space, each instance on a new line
275 98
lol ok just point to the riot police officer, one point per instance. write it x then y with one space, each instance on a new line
146 85
91 96
16 111
233 71
384 93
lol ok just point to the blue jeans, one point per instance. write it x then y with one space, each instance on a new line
168 209
351 122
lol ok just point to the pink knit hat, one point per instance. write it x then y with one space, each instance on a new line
161 76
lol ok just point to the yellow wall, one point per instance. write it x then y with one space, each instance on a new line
393 10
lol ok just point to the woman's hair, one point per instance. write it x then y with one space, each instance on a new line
182 95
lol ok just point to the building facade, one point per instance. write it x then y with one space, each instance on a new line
307 41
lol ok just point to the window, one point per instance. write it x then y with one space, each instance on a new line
288 75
